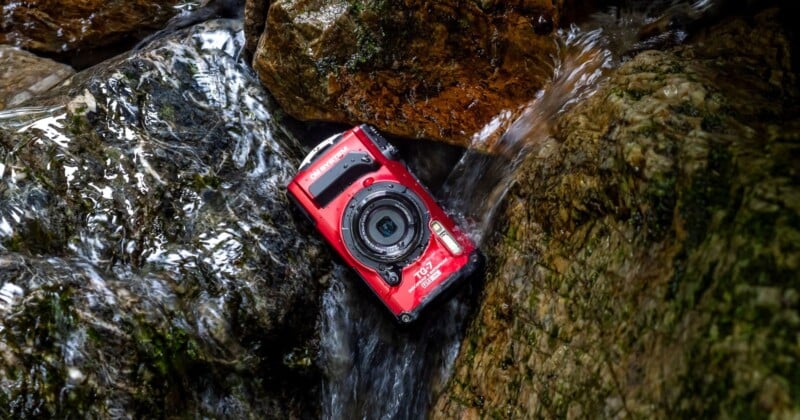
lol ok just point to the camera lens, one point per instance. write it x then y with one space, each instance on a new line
385 224
387 227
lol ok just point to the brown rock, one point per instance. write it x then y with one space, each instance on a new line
24 75
56 26
647 262
438 70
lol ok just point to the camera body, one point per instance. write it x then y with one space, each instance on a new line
382 221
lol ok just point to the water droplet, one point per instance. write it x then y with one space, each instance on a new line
542 25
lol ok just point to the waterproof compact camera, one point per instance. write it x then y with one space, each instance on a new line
382 221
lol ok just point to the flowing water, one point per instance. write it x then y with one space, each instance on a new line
373 370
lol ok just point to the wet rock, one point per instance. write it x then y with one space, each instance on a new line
437 70
646 262
24 75
149 263
57 26
214 9
255 17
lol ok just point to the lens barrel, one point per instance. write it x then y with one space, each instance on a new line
385 223
387 227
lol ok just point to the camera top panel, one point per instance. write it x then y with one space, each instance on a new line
339 161
319 150
334 180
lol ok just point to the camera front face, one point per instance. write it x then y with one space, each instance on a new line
382 221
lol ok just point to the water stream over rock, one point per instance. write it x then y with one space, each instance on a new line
374 370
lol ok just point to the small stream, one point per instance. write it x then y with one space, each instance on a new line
374 370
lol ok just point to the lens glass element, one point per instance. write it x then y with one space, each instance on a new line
386 227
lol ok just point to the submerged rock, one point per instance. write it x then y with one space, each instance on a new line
24 75
149 265
437 70
648 256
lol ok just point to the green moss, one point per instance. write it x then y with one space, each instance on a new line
191 68
675 67
36 238
616 91
76 122
299 358
14 243
636 94
167 359
686 108
48 323
357 8
710 122
202 181
378 36
327 65
369 49
167 112
648 130
660 199
708 192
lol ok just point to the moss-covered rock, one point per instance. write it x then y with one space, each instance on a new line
149 264
647 262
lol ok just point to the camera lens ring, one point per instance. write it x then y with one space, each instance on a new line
385 223
387 226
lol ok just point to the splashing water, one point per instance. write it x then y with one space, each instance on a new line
581 64
585 56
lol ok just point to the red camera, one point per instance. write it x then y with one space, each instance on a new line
382 221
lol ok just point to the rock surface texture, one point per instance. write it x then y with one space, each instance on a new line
55 26
24 75
648 254
149 264
438 70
